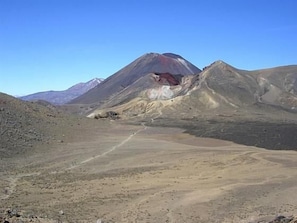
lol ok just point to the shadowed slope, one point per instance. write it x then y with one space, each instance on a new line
278 86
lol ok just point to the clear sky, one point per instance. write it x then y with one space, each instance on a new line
53 44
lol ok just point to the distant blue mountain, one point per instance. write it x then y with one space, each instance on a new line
62 97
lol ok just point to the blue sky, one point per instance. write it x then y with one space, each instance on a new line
53 44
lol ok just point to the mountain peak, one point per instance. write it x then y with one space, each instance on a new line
87 85
147 63
169 60
95 81
169 55
172 55
218 64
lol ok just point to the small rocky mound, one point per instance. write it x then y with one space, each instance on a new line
283 219
15 216
109 114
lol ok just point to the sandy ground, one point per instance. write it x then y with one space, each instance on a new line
127 173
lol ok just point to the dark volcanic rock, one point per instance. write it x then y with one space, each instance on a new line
283 219
109 114
276 136
168 79
268 135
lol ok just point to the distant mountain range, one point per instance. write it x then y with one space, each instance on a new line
62 97
156 84
167 84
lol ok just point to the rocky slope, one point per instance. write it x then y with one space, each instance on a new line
23 125
29 127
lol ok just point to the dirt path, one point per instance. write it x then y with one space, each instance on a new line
110 150
140 174
12 180
12 183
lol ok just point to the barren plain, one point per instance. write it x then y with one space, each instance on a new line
113 172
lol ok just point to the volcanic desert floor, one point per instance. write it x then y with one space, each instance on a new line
135 173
